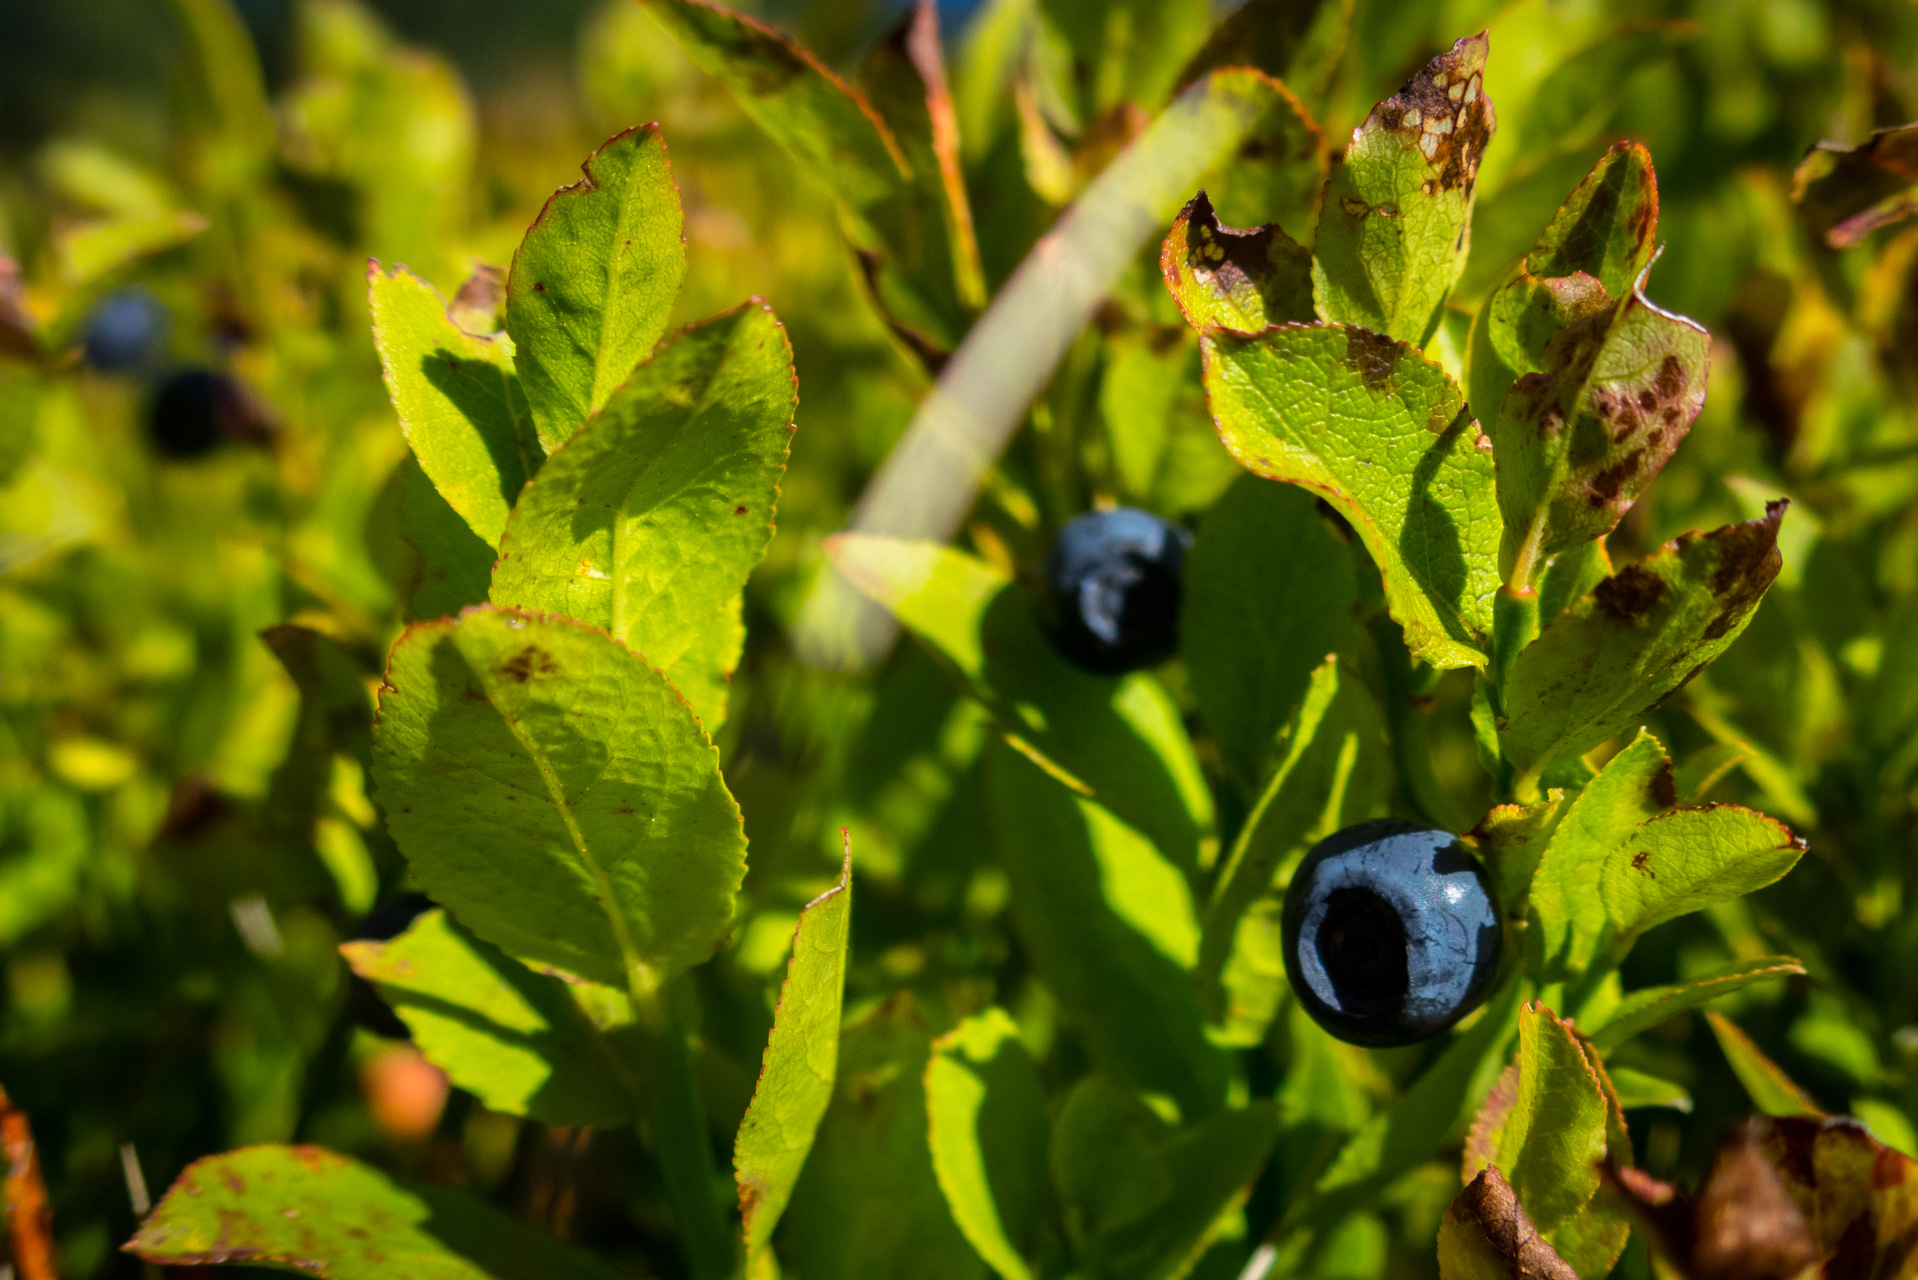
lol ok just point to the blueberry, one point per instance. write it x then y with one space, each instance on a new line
1390 933
1112 583
195 409
125 332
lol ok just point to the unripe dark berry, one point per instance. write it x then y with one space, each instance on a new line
194 410
1391 934
1112 582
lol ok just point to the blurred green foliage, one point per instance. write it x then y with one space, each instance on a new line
188 649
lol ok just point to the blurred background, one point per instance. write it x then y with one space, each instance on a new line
195 449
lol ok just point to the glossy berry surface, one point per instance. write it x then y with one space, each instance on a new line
1390 933
1112 581
193 411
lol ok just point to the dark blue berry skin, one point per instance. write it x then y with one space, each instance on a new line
1112 582
126 332
1391 935
192 412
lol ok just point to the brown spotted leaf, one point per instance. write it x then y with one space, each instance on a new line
1846 193
1577 444
1486 1235
1613 655
1594 385
1590 256
315 1211
1234 279
556 794
1396 223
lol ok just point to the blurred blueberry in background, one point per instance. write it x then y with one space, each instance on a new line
126 332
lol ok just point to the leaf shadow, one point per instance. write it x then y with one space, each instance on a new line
1429 542
491 400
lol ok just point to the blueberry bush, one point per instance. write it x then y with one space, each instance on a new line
1120 639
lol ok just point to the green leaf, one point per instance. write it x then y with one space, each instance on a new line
523 1043
1334 770
1511 841
647 521
987 1107
1613 655
1567 916
1382 434
1120 741
555 793
1607 384
1250 648
455 564
1554 1138
1397 220
1486 1235
1608 227
92 250
1772 1091
1233 279
1638 1089
1688 860
1149 392
1422 1117
1142 1198
1109 926
594 281
868 1203
312 1210
458 398
1644 1009
1125 51
335 711
802 1059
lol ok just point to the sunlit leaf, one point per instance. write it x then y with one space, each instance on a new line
1397 219
524 1043
1232 278
1644 1009
1567 917
1110 927
312 1210
987 1107
647 521
1772 1091
458 398
1688 860
556 794
1142 1198
594 281
1611 656
801 1063
1118 740
1383 435
868 1202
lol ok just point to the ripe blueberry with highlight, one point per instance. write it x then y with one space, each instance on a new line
1390 933
1112 583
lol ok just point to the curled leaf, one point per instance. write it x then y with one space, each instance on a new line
1846 193
1397 218
1231 278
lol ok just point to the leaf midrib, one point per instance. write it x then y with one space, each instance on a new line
640 978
